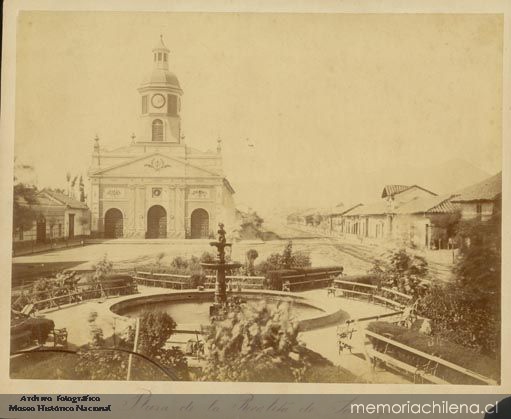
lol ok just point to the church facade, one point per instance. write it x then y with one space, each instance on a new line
157 186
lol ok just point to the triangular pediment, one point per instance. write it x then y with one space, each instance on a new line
156 164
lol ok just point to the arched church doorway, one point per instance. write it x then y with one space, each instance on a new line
113 224
156 222
199 224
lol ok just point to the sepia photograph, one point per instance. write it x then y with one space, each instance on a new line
257 197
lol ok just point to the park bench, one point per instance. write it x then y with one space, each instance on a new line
388 301
417 372
382 352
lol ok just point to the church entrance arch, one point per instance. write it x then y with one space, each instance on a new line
113 224
199 224
156 222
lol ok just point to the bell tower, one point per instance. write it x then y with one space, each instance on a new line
160 101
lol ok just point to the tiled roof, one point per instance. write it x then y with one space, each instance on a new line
445 207
373 208
430 204
487 190
344 210
64 199
390 190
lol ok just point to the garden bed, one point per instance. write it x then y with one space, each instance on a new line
448 351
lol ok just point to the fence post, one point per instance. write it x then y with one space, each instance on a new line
135 344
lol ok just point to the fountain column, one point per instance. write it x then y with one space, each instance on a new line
221 267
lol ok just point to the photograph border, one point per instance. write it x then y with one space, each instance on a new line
11 10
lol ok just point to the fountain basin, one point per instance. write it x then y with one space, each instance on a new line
191 308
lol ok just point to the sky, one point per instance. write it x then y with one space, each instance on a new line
329 101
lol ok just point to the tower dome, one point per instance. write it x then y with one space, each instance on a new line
161 101
160 74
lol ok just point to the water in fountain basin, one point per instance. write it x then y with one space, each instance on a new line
197 312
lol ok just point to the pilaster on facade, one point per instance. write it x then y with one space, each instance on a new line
171 223
180 211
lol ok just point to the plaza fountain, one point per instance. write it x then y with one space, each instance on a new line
191 309
221 267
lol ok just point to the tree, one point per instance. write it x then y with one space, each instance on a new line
468 310
68 179
82 190
23 213
250 257
250 224
24 196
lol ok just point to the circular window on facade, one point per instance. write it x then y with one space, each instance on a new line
156 192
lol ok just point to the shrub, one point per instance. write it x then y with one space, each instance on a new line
273 279
102 269
287 260
197 280
155 329
254 343
250 258
401 271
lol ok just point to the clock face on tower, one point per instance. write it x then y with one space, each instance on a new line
158 100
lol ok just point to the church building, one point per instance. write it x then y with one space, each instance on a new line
158 187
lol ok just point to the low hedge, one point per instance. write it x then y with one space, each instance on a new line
275 279
363 279
457 354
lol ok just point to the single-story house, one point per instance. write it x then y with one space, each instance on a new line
480 200
58 216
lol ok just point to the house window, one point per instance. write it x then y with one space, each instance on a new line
159 56
157 130
164 57
20 233
60 230
479 209
144 104
172 105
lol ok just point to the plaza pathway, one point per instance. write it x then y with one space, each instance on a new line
127 254
324 340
